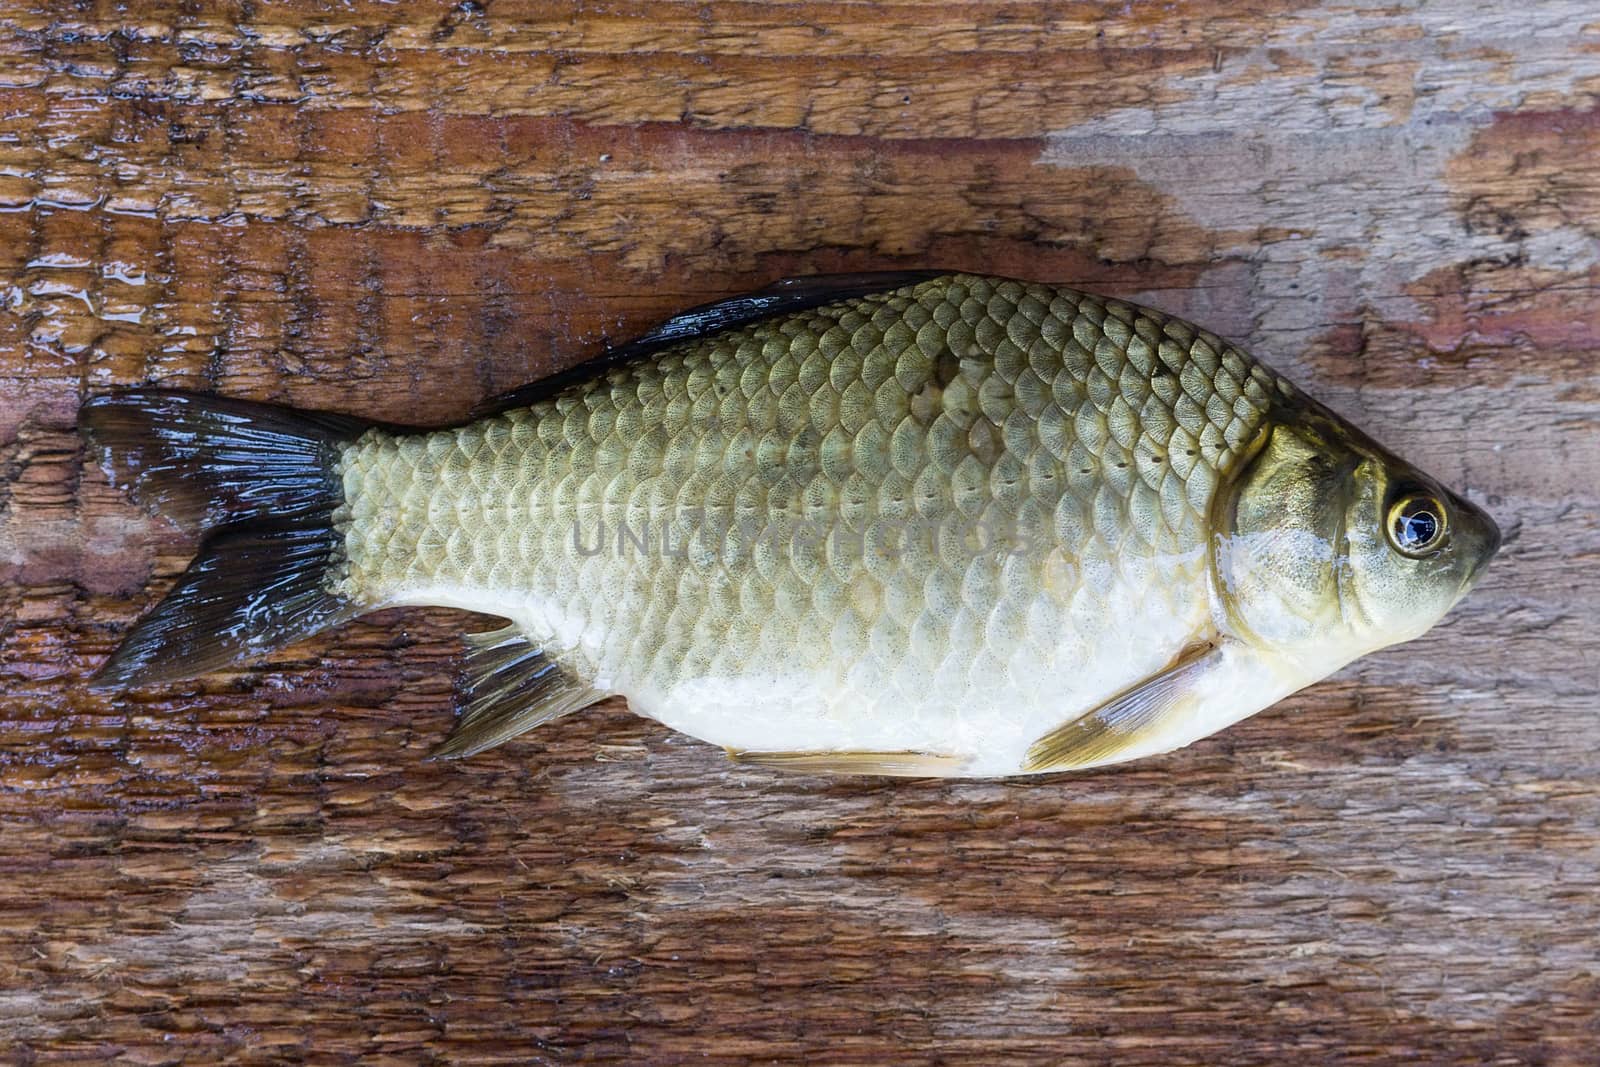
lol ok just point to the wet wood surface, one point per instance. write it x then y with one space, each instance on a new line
394 210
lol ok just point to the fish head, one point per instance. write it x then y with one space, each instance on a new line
1329 546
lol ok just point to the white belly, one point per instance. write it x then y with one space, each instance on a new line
991 692
986 708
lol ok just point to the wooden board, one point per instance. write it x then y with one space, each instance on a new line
396 209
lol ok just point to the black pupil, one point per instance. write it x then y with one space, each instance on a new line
1418 528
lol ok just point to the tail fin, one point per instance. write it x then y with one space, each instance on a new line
263 480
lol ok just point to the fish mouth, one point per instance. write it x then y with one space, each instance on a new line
1491 547
1483 535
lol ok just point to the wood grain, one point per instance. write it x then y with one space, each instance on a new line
395 209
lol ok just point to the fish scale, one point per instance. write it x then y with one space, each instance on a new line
813 509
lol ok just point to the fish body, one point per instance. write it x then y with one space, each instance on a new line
946 524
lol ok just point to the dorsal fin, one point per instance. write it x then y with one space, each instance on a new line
780 298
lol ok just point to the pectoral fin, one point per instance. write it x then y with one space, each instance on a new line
509 686
892 764
1130 724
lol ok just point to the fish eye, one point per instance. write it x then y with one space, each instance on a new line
1416 524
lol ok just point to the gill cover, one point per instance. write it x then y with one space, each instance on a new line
1281 540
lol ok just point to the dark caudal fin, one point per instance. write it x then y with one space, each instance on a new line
208 460
262 481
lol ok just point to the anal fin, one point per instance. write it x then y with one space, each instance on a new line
509 686
892 764
1130 724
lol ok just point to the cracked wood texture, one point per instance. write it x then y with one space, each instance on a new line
395 209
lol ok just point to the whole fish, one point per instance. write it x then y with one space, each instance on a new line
920 524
